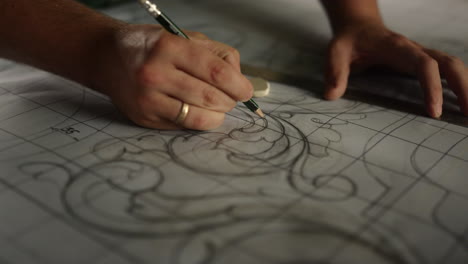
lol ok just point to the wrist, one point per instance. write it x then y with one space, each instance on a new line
119 56
103 58
355 24
346 14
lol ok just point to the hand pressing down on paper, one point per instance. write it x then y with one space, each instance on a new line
362 40
155 73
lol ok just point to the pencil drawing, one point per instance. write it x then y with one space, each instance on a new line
293 176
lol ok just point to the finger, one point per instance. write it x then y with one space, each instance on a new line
202 119
157 123
159 106
233 58
456 74
406 56
195 92
429 77
203 64
226 52
145 115
337 69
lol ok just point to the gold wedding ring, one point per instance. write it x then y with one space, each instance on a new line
182 114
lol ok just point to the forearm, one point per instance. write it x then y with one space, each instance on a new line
342 13
60 36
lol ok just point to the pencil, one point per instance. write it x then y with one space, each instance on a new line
170 26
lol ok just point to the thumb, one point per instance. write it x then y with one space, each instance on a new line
337 68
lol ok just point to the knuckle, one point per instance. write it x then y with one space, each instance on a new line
218 72
165 40
398 40
234 52
453 62
149 76
169 43
185 89
428 61
198 35
209 97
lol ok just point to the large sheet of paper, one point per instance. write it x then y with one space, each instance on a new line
314 182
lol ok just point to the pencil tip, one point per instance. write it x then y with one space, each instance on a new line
260 113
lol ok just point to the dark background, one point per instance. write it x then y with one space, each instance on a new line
102 3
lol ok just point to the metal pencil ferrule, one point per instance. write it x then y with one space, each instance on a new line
151 8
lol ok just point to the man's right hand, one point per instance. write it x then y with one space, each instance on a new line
149 73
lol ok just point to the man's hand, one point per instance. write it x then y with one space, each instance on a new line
149 73
362 40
